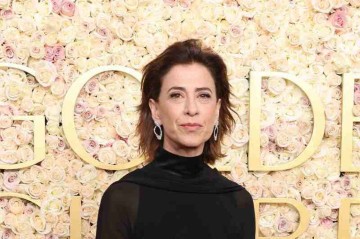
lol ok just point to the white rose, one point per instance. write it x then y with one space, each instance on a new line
16 206
106 155
67 35
86 174
88 208
125 32
25 153
62 229
121 149
324 6
276 85
269 23
118 8
38 222
319 197
239 172
46 73
54 206
36 190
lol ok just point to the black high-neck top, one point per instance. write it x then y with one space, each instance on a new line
175 197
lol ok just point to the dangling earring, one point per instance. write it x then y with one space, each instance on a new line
216 130
157 127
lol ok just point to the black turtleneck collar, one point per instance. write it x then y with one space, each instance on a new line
173 172
181 166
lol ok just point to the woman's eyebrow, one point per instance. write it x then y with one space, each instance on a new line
183 88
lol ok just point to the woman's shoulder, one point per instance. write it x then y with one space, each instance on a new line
119 189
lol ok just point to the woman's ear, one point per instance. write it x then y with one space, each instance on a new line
218 107
154 108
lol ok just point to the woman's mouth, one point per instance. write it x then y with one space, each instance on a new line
191 126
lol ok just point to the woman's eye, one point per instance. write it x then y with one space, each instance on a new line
175 95
205 96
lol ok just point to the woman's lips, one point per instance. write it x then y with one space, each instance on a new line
191 126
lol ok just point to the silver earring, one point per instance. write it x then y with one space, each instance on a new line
216 130
157 127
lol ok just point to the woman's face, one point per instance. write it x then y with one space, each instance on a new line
187 108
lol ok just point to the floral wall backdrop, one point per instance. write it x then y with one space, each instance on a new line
317 41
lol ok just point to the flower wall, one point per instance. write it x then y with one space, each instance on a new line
317 41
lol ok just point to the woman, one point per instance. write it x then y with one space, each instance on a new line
185 100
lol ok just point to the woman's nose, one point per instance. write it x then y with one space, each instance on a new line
191 107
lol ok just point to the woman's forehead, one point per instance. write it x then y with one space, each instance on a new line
188 76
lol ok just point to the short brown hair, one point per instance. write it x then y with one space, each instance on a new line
185 52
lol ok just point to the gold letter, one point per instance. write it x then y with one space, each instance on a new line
303 215
68 117
347 123
19 195
255 111
344 217
75 217
39 128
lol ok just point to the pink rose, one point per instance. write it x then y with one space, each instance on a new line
92 86
67 8
235 31
356 87
8 233
49 53
102 33
6 13
305 101
271 131
283 225
185 3
100 113
327 223
11 180
171 3
61 144
51 236
91 146
338 19
59 52
88 115
3 202
117 109
9 51
54 53
345 182
56 5
357 97
29 209
80 106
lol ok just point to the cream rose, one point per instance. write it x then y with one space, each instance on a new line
25 153
118 8
319 197
57 175
62 229
58 88
121 149
239 172
324 6
86 174
88 208
16 206
38 222
125 32
106 155
36 190
53 205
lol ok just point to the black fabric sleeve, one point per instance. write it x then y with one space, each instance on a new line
246 205
117 211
